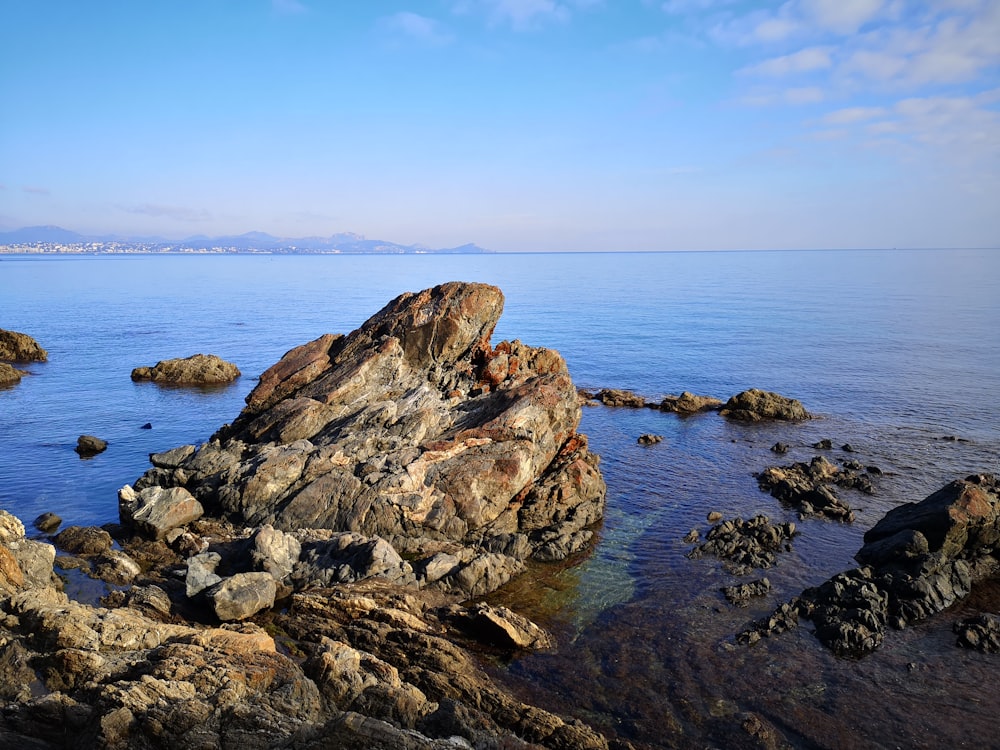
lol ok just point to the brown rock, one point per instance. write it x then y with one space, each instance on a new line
755 406
198 369
10 375
20 347
689 403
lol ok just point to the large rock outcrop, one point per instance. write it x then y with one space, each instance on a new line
413 428
756 405
20 347
198 369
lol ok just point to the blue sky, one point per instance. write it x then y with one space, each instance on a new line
515 124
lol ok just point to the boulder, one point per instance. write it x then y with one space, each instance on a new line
242 595
688 403
347 557
20 347
201 572
413 429
756 406
809 487
47 522
156 510
83 540
198 369
88 445
11 528
746 545
650 439
9 375
275 552
501 627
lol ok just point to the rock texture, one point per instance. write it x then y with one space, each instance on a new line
198 369
688 403
413 429
20 347
90 445
809 487
364 665
756 405
918 560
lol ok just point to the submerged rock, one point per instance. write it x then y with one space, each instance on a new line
198 369
412 429
650 439
756 405
688 403
20 347
10 375
918 560
746 545
619 397
808 487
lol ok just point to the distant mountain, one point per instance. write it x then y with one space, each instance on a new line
344 242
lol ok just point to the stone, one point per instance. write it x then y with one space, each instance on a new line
746 545
275 552
35 560
756 405
808 487
201 573
10 375
242 595
156 510
650 439
979 633
503 628
688 403
824 445
198 369
619 397
413 429
347 557
83 540
47 522
11 528
20 347
780 448
741 594
89 445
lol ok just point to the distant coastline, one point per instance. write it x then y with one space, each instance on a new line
51 240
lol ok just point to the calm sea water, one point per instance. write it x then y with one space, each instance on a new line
897 352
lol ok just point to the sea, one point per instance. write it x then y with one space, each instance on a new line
895 352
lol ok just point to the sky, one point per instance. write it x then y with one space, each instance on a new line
519 125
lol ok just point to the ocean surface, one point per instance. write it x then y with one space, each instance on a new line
896 352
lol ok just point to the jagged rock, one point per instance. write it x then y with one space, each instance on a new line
11 528
242 595
746 544
916 561
619 397
346 557
756 405
88 445
35 560
650 439
823 445
198 369
10 375
47 522
779 448
201 573
980 633
807 487
741 594
156 510
688 403
411 428
20 347
114 566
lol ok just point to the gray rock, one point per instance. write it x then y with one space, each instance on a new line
35 560
347 557
11 528
275 552
201 573
242 595
501 627
156 510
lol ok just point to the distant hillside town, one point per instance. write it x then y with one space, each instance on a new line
51 240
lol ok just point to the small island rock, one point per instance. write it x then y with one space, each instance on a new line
756 405
688 403
88 445
10 375
198 369
20 347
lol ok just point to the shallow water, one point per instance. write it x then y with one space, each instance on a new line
896 352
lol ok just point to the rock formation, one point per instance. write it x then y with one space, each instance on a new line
756 406
688 403
9 375
20 347
463 456
198 369
89 445
809 487
918 560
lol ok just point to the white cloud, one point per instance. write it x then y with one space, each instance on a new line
795 96
178 213
521 14
851 115
288 6
841 16
414 26
803 61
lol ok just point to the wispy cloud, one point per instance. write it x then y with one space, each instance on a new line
35 190
416 27
521 15
851 115
178 213
803 61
